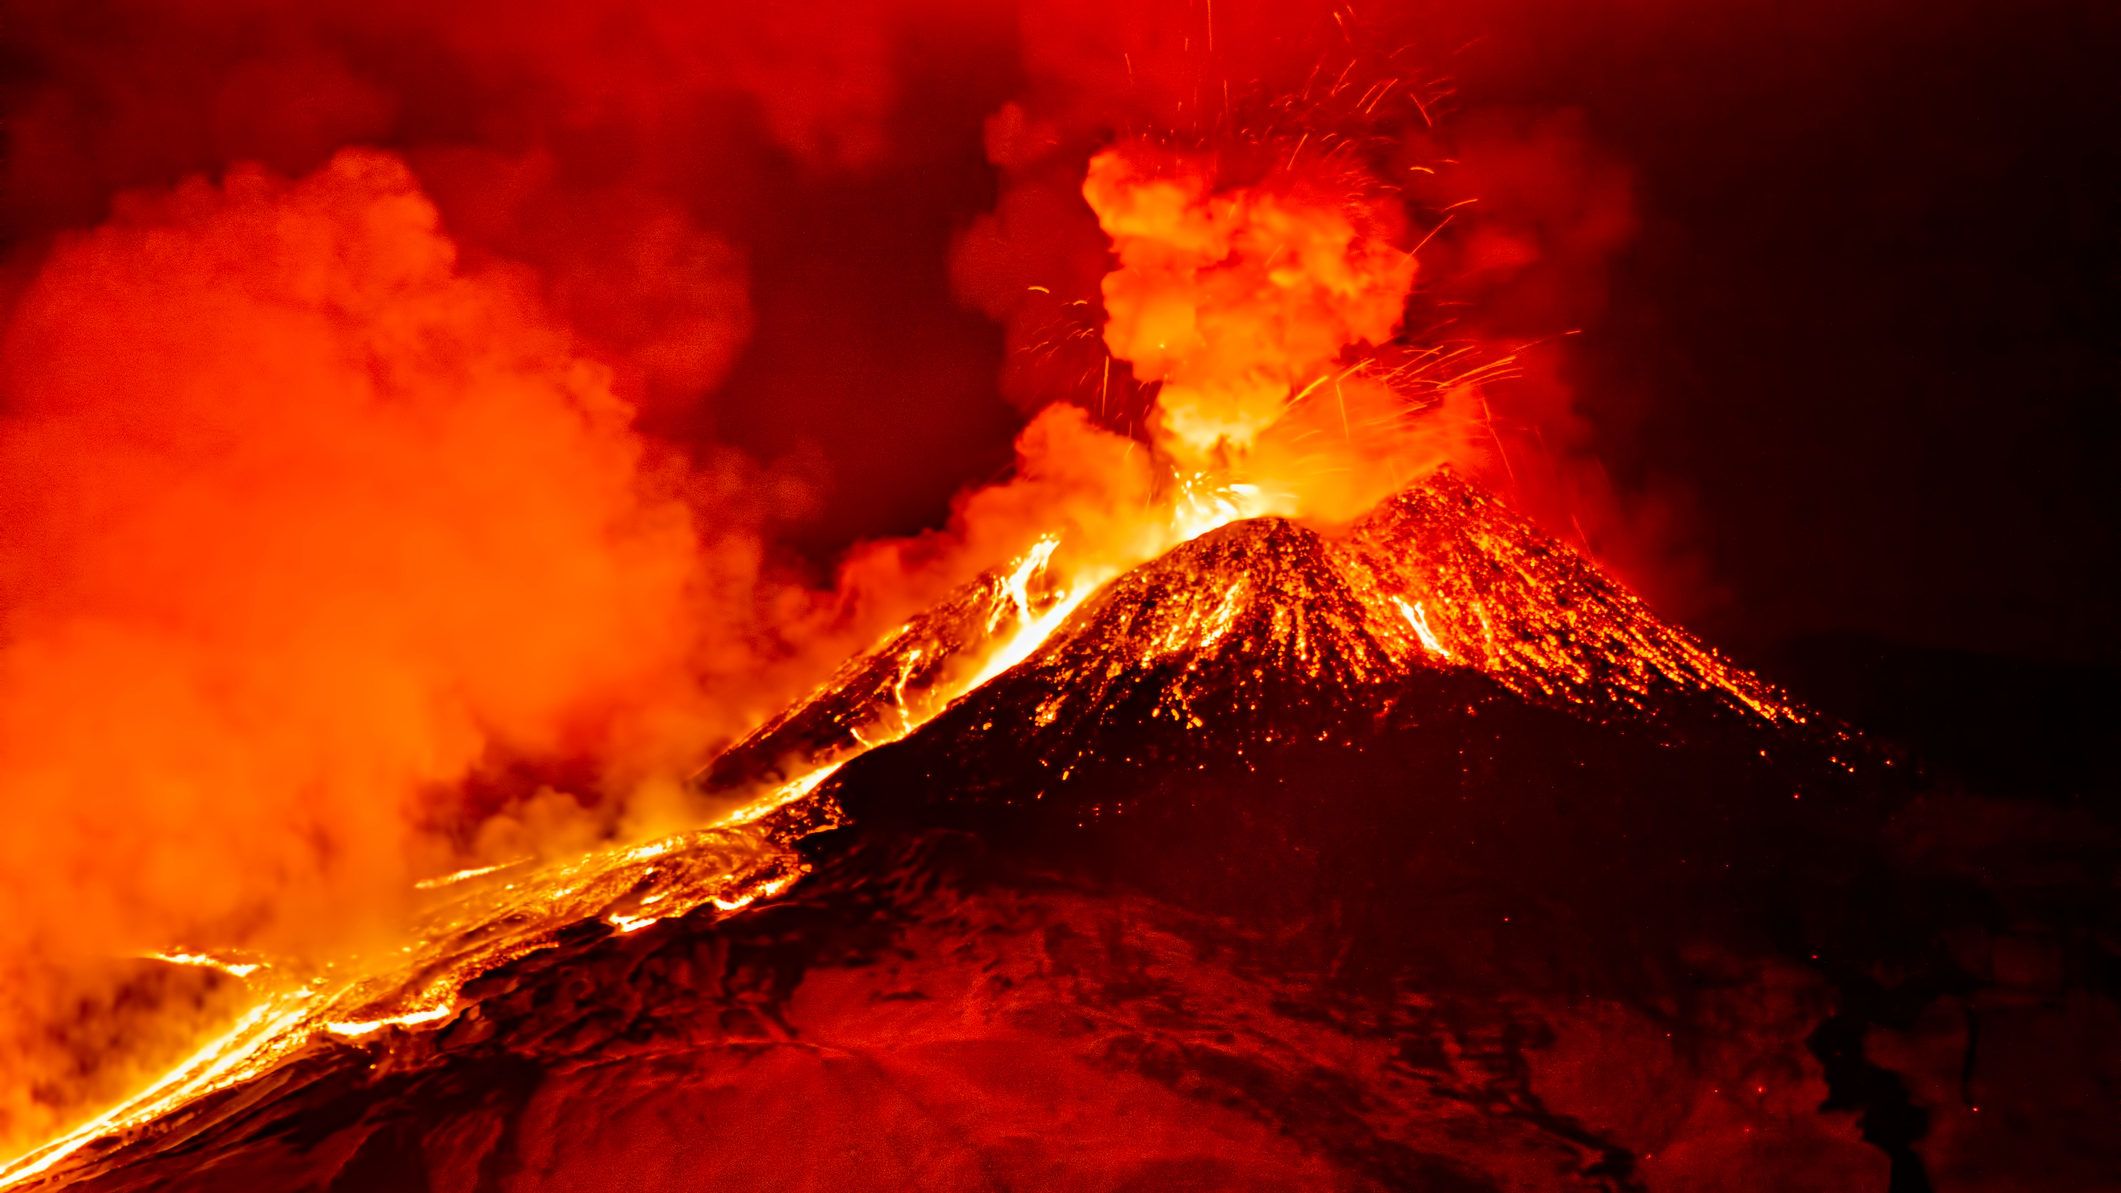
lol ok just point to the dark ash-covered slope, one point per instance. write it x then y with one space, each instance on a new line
1439 683
1499 596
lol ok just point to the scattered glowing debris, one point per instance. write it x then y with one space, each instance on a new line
1540 621
1204 501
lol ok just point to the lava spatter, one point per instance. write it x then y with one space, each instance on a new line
1496 595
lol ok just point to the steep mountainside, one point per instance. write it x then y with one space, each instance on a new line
1486 590
885 691
1414 854
1335 653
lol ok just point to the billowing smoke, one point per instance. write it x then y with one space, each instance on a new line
305 525
1234 301
413 444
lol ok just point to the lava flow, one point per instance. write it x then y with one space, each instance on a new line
483 918
1247 633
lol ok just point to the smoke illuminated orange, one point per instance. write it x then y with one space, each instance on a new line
1234 299
304 526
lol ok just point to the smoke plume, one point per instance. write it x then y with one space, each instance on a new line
305 525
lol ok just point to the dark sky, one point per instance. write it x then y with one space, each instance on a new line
1869 320
1864 337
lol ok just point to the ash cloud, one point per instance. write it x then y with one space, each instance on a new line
305 525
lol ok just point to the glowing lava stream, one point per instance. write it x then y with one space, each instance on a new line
1418 618
491 915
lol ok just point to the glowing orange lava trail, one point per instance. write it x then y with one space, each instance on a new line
496 914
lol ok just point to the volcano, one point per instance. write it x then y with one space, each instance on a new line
1412 854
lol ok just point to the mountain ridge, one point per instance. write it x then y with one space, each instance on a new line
1440 577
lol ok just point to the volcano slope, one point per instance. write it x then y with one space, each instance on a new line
1252 717
1413 856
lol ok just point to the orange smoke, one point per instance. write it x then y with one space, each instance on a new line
1235 299
302 525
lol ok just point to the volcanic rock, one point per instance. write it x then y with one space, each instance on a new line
1415 854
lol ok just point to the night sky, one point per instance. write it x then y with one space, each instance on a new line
1868 323
1858 362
